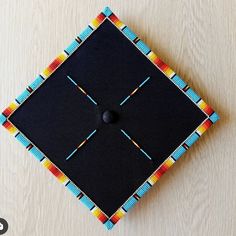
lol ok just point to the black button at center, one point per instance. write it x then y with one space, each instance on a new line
109 117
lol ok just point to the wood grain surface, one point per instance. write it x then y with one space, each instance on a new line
198 40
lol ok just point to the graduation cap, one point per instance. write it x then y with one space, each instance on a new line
108 117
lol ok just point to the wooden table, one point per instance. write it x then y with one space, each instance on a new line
198 40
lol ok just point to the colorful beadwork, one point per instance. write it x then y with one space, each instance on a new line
134 91
212 117
82 90
135 144
81 144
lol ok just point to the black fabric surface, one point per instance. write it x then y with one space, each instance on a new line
58 117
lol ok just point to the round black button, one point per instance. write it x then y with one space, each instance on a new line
109 117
